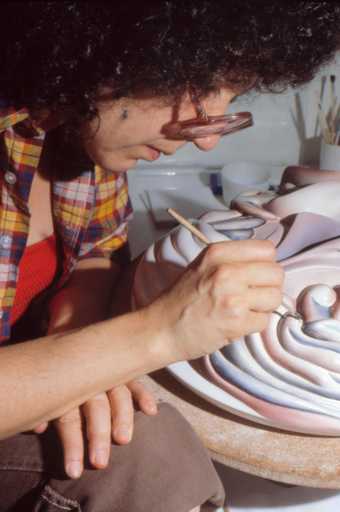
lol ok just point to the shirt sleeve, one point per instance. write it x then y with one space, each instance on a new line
107 229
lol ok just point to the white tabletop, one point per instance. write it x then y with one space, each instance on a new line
246 493
184 181
187 188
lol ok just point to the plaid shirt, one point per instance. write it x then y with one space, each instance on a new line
90 212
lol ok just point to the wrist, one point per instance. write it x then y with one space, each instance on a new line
157 336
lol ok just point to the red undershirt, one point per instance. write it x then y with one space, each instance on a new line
37 269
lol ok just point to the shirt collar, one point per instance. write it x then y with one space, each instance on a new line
10 117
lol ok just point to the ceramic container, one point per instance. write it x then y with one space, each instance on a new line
330 156
240 177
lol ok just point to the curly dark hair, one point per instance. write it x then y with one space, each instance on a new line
59 53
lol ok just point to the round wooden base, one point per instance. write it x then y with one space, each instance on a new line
262 451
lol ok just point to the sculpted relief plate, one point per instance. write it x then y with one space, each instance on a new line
287 376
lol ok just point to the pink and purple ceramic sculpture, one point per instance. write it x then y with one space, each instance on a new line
287 376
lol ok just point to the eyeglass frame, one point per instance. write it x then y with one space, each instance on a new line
204 125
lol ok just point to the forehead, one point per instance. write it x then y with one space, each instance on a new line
147 101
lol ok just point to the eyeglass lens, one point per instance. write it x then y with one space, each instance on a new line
213 125
204 125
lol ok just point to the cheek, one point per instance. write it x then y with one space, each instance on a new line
111 159
103 133
104 140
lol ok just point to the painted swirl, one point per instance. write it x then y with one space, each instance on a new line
292 369
290 373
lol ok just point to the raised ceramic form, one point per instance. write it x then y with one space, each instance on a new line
287 376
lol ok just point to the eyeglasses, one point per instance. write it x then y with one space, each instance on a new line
204 125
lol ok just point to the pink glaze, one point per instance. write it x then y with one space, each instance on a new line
287 418
290 373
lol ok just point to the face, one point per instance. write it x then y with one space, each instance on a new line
129 130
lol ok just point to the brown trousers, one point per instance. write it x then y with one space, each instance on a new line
164 469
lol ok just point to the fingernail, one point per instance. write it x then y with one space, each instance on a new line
122 434
100 458
74 469
152 408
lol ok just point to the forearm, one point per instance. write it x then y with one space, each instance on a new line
227 293
67 367
42 379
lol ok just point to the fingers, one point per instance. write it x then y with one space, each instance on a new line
239 275
39 429
238 252
122 414
143 397
256 322
218 269
260 299
262 274
122 399
264 299
113 414
232 281
238 319
97 413
69 428
106 414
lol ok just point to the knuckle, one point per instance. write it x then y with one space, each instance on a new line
264 247
135 386
222 273
99 433
270 248
212 253
100 398
233 306
121 392
72 417
134 382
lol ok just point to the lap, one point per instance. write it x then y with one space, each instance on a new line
163 469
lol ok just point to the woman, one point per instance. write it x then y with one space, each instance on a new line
87 89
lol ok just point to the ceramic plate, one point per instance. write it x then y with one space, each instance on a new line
321 266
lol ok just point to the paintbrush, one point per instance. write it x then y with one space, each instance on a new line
322 91
325 129
184 222
332 110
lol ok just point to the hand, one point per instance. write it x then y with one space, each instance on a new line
227 292
107 416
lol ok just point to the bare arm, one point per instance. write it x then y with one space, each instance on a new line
226 293
42 379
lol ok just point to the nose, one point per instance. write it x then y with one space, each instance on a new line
207 143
